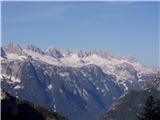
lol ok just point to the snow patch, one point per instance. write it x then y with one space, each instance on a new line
97 88
106 87
11 79
75 92
50 87
158 88
61 91
85 94
114 98
102 90
149 90
17 87
54 108
124 85
64 74
15 57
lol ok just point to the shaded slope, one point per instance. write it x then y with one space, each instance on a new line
14 109
132 103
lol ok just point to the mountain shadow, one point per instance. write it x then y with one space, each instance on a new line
151 110
15 109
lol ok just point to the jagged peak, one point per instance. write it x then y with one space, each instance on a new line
34 49
53 52
59 53
131 58
13 48
12 45
102 53
50 48
32 46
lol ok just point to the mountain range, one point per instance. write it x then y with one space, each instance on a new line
77 84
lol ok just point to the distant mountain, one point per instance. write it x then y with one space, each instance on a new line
15 109
54 53
35 49
130 105
13 48
77 84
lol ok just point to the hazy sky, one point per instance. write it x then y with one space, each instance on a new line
124 28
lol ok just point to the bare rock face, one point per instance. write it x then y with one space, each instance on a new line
53 52
35 49
13 48
3 54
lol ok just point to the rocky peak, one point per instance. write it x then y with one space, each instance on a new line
102 53
13 48
53 52
132 59
35 49
82 54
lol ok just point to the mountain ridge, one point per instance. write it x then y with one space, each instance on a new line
102 53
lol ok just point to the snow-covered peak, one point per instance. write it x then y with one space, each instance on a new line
13 48
82 54
53 52
50 48
132 59
103 53
34 49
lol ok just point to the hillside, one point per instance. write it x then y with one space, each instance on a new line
15 109
129 106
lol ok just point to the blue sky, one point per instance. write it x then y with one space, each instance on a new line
124 28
